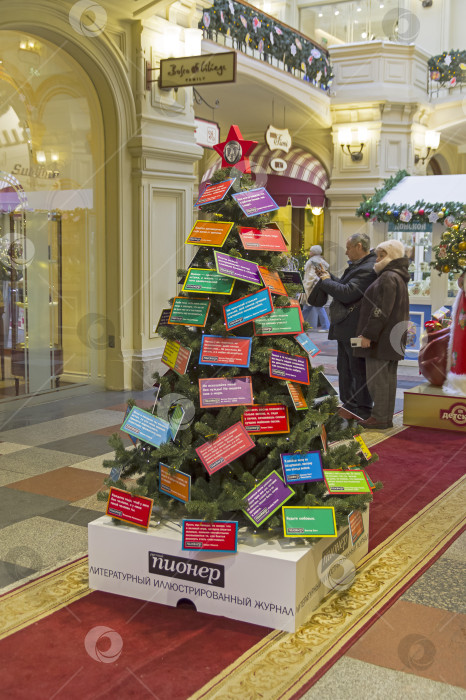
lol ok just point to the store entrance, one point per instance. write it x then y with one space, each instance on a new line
53 327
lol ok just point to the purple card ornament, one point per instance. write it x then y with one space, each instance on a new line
238 268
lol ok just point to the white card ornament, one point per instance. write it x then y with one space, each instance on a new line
406 215
433 217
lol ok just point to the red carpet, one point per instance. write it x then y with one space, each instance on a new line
415 466
170 653
166 653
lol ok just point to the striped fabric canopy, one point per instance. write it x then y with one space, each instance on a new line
301 166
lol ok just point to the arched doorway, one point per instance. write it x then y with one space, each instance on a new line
54 329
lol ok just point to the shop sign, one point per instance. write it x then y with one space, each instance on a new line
411 226
198 70
278 165
207 133
278 139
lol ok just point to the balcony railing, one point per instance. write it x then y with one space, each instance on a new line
447 73
243 27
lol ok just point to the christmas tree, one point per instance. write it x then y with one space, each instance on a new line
450 254
220 494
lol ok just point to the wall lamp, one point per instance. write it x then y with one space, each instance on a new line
432 140
345 139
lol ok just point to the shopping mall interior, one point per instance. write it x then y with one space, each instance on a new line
351 115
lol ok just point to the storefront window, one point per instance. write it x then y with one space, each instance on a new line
350 21
51 219
418 248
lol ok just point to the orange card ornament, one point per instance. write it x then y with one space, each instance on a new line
235 150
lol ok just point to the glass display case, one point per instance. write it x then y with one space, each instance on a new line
418 248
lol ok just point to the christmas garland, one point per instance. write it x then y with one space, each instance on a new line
426 212
450 254
253 28
448 68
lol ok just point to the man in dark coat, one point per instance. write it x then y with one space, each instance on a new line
347 292
383 322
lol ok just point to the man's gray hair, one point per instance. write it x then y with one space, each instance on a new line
361 238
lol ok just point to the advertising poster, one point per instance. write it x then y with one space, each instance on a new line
225 391
176 356
228 352
205 281
210 233
148 428
255 202
216 536
286 320
297 396
214 193
309 522
174 483
266 498
239 269
135 510
300 468
269 419
243 310
295 368
262 239
307 344
272 281
228 446
347 482
189 312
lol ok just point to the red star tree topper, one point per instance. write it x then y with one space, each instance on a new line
235 150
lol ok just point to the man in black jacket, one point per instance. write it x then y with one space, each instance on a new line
347 292
383 321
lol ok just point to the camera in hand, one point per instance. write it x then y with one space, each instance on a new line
356 342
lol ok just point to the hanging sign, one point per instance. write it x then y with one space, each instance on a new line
318 521
207 133
266 419
174 483
216 536
189 312
282 321
247 308
146 427
176 356
297 396
239 269
295 368
348 482
270 238
208 69
307 344
300 468
136 510
227 352
255 202
205 281
278 139
272 281
215 192
209 233
225 391
266 498
228 446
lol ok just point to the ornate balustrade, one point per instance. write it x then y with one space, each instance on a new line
244 28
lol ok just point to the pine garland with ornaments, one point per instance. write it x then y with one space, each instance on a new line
450 253
372 209
248 25
222 493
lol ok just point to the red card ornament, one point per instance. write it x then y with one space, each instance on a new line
235 150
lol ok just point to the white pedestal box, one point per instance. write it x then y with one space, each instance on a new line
270 582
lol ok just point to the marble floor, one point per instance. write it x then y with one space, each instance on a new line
51 471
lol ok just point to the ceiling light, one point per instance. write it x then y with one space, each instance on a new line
321 14
364 35
359 9
337 12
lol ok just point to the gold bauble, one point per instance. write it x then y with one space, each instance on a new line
462 262
455 227
462 245
446 235
446 268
